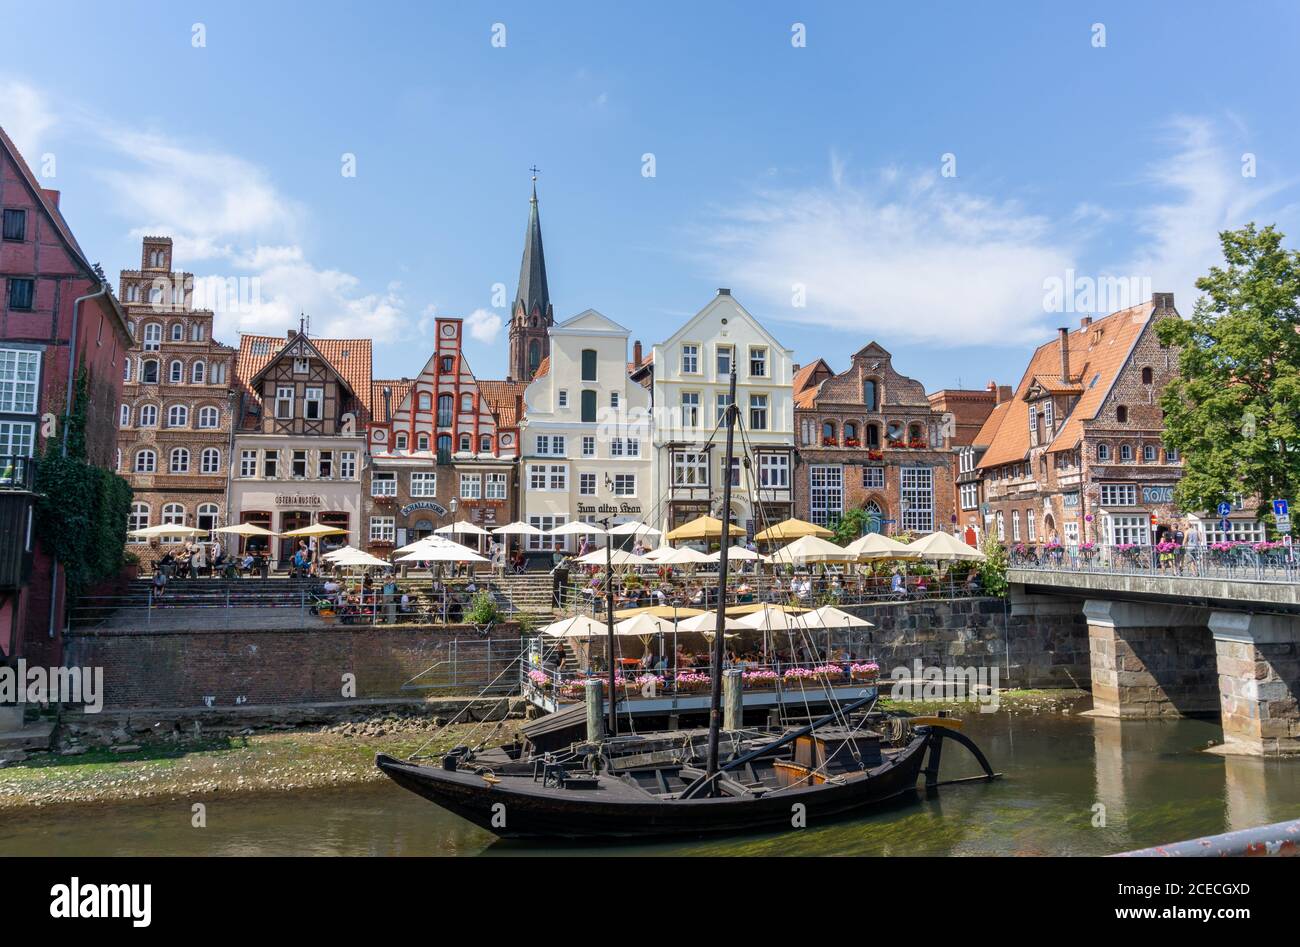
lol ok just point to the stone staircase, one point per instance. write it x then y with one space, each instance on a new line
529 594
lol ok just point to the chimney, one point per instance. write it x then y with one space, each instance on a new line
723 292
1065 353
388 407
636 360
1162 301
1004 393
794 370
1085 322
291 333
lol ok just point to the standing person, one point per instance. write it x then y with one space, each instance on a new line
218 555
390 600
199 562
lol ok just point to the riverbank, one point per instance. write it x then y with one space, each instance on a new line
252 762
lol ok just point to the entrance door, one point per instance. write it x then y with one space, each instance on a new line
291 519
260 518
419 530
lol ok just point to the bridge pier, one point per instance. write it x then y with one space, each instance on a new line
1258 659
1150 660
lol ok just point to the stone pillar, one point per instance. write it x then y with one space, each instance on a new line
1259 681
1149 660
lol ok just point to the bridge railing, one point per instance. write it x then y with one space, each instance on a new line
1254 562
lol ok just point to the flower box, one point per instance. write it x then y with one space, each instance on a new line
852 442
868 672
826 442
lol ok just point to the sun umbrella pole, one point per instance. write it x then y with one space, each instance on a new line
715 697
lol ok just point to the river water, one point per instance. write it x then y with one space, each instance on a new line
1152 781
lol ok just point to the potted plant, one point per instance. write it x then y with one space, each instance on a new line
760 679
866 672
829 672
540 679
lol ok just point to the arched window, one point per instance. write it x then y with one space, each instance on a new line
851 434
1121 414
444 447
172 513
198 372
210 462
146 461
466 404
176 372
178 332
534 355
1103 452
422 441
588 364
209 417
139 519
485 443
152 336
1125 453
915 433
180 461
446 404
399 441
205 517
133 293
124 416
126 368
149 371
447 364
423 401
148 415
196 332
466 443
178 415
828 434
1147 375
871 394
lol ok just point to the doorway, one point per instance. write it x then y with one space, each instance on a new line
289 520
262 518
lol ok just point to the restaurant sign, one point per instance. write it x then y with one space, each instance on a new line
298 499
613 508
1157 494
424 505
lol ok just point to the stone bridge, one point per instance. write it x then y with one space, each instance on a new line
1165 644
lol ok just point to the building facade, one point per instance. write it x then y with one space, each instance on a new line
299 443
442 447
965 413
586 433
1077 456
58 317
176 414
689 374
869 439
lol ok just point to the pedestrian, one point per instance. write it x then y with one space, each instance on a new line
218 555
159 583
199 562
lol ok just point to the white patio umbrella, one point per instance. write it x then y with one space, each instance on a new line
707 623
619 557
654 555
462 526
425 542
736 553
809 549
341 551
644 625
683 556
244 529
166 529
945 547
453 552
518 528
828 616
771 618
358 557
578 528
634 528
579 626
879 546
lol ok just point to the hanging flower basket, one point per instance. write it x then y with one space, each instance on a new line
762 679
867 673
829 672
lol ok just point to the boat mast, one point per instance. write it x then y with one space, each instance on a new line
609 626
715 698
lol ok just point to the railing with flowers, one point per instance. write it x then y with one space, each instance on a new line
1246 561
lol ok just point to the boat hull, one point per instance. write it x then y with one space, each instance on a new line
517 807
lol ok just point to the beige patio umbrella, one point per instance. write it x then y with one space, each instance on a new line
759 606
772 618
518 528
707 623
685 556
579 626
945 547
879 546
462 526
828 616
578 528
166 529
792 529
659 611
811 549
244 529
736 553
644 625
634 528
317 529
618 557
702 527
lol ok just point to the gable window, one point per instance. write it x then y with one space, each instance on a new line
446 407
871 394
21 293
399 440
422 441
1149 453
758 361
758 412
447 363
563 398
1126 453
1103 452
15 224
690 359
466 443
313 404
284 402
873 436
589 407
301 366
1121 414
178 332
588 364
485 443
1147 375
726 355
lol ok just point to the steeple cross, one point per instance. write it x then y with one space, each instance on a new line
535 171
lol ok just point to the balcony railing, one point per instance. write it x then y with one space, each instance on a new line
17 472
1242 561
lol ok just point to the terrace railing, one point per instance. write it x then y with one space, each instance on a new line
1254 562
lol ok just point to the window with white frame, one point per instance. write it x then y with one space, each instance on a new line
613 399
758 412
424 484
198 372
284 402
826 493
758 361
313 403
205 516
152 337
1128 529
1030 527
1126 453
690 359
536 476
586 484
176 372
301 366
873 478
248 463
210 461
178 416
1071 530
690 469
146 461
19 370
720 404
124 416
383 529
916 490
690 409
138 519
17 438
172 513
969 496
774 471
208 417
550 445
1171 455
1118 494
546 524
1238 531
1149 453
495 487
348 465
471 486
180 461
1015 526
1002 527
383 483
563 396
624 485
558 478
1103 452
588 446
178 332
725 355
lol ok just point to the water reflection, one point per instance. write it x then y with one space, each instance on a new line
1153 778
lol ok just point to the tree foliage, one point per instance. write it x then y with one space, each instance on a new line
993 570
1234 409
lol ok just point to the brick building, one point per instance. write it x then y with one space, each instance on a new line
1077 454
868 438
970 483
532 314
57 316
299 441
442 446
177 401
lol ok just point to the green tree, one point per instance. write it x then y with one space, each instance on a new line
1234 410
993 570
850 526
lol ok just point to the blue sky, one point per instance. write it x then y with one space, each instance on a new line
779 171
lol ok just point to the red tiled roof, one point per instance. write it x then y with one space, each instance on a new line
543 369
506 399
350 359
400 388
1097 353
805 392
990 426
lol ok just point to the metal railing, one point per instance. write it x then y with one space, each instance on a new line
1254 562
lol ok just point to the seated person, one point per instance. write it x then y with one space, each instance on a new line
405 604
896 584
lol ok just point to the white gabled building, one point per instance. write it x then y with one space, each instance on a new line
586 436
689 375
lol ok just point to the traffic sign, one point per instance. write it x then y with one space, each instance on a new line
1225 508
1283 523
1281 507
1224 525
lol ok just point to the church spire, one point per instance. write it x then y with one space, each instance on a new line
532 312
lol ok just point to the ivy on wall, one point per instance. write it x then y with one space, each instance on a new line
81 509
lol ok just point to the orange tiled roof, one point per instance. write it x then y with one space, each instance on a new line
543 369
990 426
401 387
350 358
1097 353
506 399
805 392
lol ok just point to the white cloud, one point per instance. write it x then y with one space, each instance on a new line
26 117
483 325
907 256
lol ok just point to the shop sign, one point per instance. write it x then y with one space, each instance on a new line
423 505
1157 494
615 509
298 499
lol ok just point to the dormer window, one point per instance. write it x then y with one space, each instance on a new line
301 366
